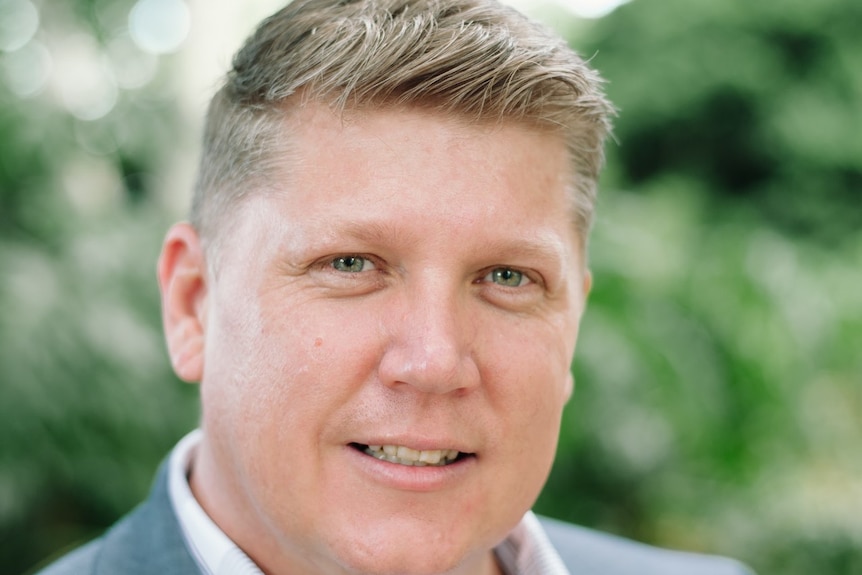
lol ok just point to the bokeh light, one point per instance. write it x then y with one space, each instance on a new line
592 8
132 67
19 21
159 26
84 79
587 9
28 69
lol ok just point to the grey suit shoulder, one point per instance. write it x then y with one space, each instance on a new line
588 552
149 542
79 561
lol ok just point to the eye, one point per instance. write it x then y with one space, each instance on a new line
352 264
507 277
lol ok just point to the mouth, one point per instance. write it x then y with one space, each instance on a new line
402 455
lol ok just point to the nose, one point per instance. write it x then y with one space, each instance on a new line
431 346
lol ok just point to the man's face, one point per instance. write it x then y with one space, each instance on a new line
410 290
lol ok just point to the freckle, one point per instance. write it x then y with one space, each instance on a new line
318 342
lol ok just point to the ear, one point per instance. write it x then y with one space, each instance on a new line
570 387
183 285
586 286
588 283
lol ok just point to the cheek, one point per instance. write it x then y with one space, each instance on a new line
246 357
531 382
533 365
302 362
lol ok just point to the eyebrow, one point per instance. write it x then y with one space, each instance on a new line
368 231
549 253
545 248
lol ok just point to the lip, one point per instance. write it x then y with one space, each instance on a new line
409 478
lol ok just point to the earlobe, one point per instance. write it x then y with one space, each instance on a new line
588 283
183 285
570 387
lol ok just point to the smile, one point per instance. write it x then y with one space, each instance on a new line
406 456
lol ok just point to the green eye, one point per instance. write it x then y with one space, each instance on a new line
506 277
352 264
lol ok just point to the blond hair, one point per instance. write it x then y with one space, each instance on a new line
474 58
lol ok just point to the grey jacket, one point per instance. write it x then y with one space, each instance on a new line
148 541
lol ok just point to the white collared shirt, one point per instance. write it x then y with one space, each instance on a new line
525 551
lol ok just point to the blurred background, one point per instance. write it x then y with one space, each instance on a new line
718 405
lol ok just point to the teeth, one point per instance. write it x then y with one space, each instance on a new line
406 456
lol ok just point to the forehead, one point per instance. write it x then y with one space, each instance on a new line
406 141
376 166
411 176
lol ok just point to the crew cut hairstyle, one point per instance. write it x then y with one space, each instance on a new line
477 59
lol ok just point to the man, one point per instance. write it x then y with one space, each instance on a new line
379 292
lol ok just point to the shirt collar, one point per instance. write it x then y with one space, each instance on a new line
525 551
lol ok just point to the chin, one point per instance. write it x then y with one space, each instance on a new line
400 557
432 564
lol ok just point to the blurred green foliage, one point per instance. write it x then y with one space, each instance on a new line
88 403
718 404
